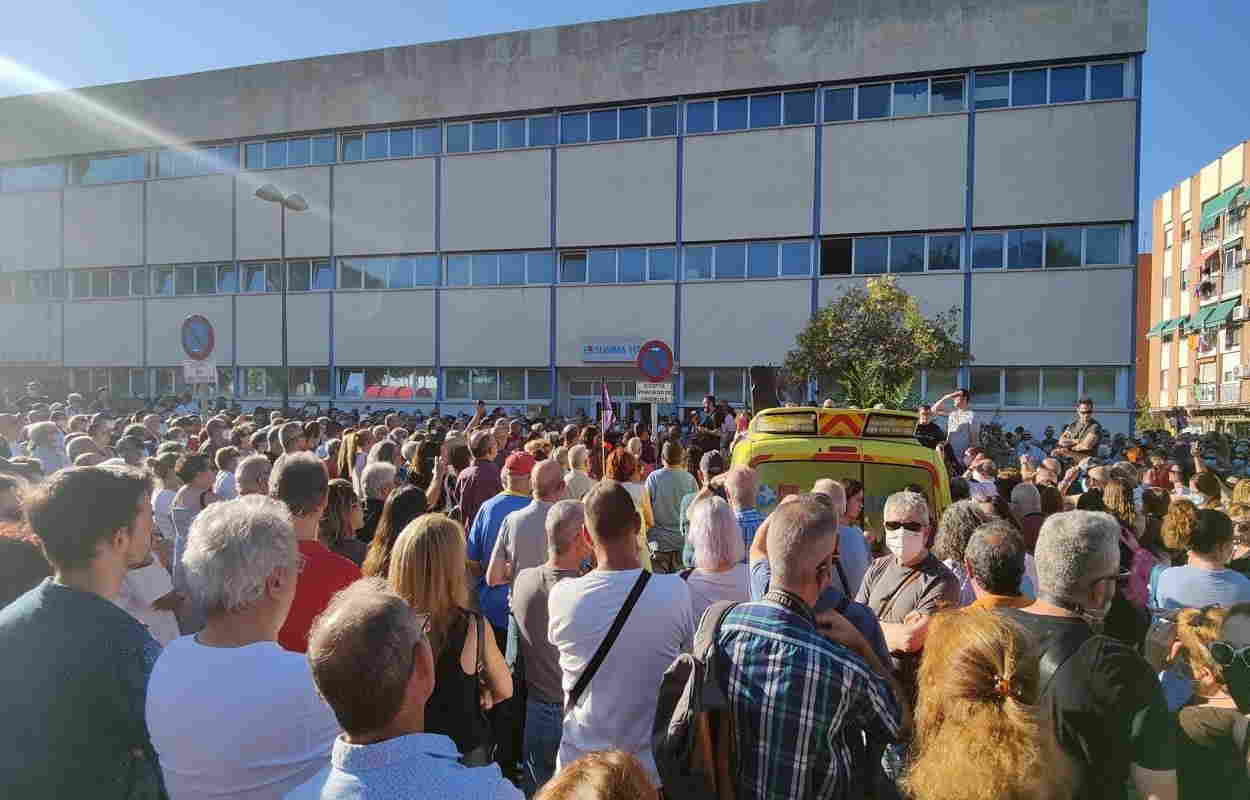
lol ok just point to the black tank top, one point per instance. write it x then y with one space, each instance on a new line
454 709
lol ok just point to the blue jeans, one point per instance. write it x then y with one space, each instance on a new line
544 723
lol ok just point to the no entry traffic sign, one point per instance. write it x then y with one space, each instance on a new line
655 361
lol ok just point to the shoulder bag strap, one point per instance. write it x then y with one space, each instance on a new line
1055 656
889 601
479 622
846 587
597 659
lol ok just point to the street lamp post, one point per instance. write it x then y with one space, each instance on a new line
294 202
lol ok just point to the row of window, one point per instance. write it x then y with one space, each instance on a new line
1011 387
1030 248
1022 387
1021 87
1040 86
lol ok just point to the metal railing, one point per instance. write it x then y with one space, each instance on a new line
1216 394
1232 281
1206 394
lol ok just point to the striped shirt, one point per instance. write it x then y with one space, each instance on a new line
800 704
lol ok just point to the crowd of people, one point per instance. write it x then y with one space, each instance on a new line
259 605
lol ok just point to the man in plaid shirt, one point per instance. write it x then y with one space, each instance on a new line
811 702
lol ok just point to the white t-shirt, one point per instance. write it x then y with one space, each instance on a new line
961 427
617 709
140 588
162 500
707 588
239 722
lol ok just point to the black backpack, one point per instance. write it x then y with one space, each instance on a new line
690 706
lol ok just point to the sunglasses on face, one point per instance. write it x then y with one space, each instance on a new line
913 527
1225 654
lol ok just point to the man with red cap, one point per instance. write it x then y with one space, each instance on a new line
493 600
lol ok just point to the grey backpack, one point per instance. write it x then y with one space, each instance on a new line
690 706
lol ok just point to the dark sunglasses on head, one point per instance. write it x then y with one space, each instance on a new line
914 527
1225 654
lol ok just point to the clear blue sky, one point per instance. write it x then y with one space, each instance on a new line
1197 69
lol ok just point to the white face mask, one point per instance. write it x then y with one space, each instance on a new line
904 545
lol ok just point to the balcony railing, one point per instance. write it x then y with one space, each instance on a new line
1217 394
1234 227
1232 281
1210 237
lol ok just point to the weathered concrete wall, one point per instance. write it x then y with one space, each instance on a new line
689 52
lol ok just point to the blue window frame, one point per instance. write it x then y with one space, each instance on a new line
701 116
662 264
731 261
947 95
1067 84
603 125
731 114
1028 87
762 260
572 268
800 107
512 133
1102 245
944 251
540 267
458 137
297 152
796 258
573 128
871 255
1063 247
511 269
987 251
631 265
874 101
459 268
1024 249
401 143
765 110
377 144
911 97
633 122
485 269
840 104
323 149
602 266
486 135
697 263
1106 81
993 90
664 120
907 254
542 131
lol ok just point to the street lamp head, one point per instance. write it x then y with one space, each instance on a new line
270 193
295 202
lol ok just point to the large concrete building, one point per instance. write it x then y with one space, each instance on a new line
1196 368
508 217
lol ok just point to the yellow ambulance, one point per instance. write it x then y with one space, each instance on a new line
791 448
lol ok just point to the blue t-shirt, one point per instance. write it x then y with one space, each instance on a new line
857 614
1194 587
854 555
493 600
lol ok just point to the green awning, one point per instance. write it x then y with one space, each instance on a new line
1157 328
1167 326
1217 205
1183 322
1199 317
1220 313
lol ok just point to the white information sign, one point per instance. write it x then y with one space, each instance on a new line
199 371
648 392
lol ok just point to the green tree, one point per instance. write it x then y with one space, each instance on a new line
1149 419
871 341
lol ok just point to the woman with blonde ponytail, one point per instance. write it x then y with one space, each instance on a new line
979 731
167 485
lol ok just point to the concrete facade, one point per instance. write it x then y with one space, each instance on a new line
522 251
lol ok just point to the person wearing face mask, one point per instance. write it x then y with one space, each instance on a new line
1214 739
1102 698
908 585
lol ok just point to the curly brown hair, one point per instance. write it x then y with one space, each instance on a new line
980 732
621 466
1179 524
